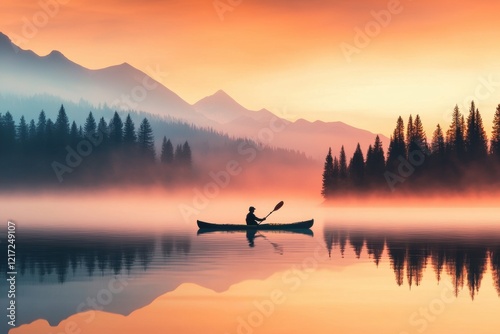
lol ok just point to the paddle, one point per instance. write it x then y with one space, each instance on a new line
276 247
276 208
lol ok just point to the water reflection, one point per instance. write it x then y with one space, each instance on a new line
461 256
251 235
44 253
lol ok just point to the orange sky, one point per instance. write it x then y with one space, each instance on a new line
286 55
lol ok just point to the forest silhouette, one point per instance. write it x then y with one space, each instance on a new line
99 152
460 159
463 259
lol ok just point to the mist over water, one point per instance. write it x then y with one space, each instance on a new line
75 244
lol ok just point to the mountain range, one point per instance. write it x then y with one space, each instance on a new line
124 87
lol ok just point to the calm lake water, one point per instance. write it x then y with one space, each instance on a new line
359 270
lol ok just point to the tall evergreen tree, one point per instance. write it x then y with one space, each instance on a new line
90 127
342 165
129 136
50 137
167 151
41 125
61 127
116 130
410 129
102 128
495 135
22 132
438 147
145 141
32 132
369 164
326 189
357 168
419 138
476 141
455 140
336 173
186 154
74 137
9 133
375 162
397 146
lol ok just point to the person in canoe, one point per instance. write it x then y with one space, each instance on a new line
252 219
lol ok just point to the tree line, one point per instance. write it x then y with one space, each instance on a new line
462 158
98 152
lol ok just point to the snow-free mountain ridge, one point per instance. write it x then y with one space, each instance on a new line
124 87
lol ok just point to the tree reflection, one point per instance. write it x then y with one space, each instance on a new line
41 254
464 259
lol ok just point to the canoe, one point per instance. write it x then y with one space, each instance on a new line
302 231
240 227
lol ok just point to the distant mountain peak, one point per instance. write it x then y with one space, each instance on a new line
4 39
54 54
125 65
220 94
6 43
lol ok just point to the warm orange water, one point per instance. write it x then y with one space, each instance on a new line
399 270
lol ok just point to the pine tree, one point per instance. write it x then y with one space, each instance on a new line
336 173
167 151
116 130
186 154
342 165
369 164
8 133
397 146
32 134
455 141
61 127
129 136
22 133
410 129
375 162
419 138
50 137
476 141
90 127
145 141
102 128
328 176
357 168
495 135
41 125
73 135
438 147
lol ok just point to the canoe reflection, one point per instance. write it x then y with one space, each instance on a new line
251 235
